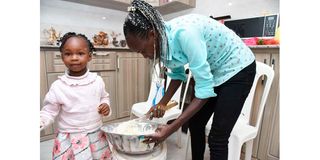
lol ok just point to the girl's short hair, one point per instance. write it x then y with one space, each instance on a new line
68 35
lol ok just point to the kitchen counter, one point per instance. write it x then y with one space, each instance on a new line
265 46
51 47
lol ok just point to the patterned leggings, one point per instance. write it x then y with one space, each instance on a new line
81 146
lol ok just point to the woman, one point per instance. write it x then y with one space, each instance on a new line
222 66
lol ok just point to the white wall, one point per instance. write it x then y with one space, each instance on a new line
67 16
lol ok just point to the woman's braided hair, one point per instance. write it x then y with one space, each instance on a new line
68 35
143 17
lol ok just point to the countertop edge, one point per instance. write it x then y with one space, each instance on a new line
265 46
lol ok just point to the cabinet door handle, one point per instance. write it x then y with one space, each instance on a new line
102 53
118 61
262 78
58 55
272 64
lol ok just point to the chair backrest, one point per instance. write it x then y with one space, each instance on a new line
153 87
176 95
267 73
187 85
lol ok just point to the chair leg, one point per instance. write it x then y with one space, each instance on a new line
188 144
234 150
179 132
249 146
131 116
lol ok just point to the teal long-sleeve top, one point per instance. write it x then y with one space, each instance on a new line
213 51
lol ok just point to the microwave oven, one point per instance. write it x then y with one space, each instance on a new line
264 26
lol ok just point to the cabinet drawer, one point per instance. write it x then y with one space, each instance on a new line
103 61
54 62
100 61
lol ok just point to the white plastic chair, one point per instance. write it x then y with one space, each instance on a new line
243 131
139 109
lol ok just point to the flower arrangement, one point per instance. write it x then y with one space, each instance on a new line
260 41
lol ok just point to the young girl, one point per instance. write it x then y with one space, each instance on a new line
222 66
77 100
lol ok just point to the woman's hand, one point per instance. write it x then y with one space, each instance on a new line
104 109
157 111
161 134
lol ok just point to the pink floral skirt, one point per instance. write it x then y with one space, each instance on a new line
81 146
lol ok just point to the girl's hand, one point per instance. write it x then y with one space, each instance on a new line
157 111
41 125
161 134
104 109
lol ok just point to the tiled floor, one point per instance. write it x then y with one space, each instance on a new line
173 152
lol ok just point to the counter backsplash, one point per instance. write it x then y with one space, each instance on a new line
54 47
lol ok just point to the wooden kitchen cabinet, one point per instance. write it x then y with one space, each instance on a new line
176 6
266 144
43 77
121 70
154 3
133 81
43 90
109 78
101 61
53 61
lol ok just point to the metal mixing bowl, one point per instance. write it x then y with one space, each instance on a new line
131 143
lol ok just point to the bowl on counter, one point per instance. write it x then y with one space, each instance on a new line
128 136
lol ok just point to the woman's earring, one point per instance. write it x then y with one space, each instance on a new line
131 9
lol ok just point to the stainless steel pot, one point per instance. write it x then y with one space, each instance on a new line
131 142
